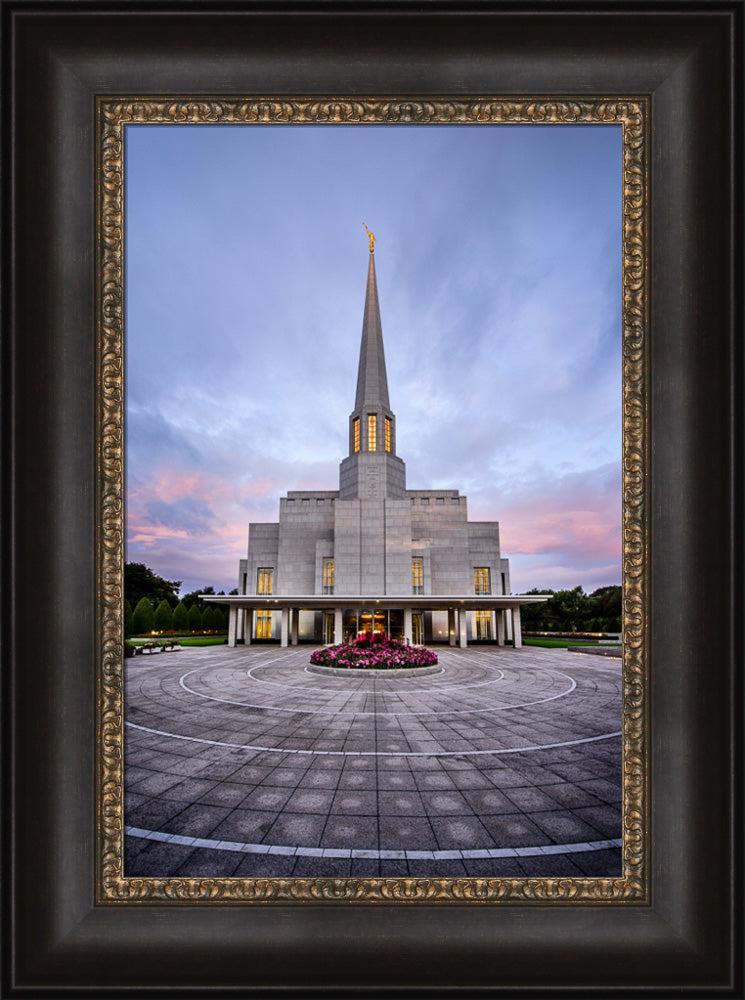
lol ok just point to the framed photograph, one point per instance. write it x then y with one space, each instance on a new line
298 756
291 909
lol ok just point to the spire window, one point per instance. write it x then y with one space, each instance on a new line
482 580
264 580
387 433
356 434
372 432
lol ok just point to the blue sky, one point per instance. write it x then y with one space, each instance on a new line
499 276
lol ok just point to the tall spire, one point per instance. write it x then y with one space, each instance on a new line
372 469
372 383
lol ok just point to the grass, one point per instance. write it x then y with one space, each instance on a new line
204 640
564 643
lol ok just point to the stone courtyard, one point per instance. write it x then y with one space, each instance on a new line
248 761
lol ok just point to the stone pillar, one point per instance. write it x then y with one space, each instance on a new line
232 620
500 628
294 623
240 626
451 626
517 631
462 628
248 628
284 627
508 623
337 626
407 625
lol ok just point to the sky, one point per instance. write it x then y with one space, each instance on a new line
498 260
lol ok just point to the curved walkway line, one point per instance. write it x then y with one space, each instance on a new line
373 753
331 711
353 852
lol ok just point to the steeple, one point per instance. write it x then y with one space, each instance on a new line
372 468
372 383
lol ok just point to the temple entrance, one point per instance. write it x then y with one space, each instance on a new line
370 622
328 628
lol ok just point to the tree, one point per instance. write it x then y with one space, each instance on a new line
180 617
208 619
194 618
163 617
129 620
194 598
139 582
144 618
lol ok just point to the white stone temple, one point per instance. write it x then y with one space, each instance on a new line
373 555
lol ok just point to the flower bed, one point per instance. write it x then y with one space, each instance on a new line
374 652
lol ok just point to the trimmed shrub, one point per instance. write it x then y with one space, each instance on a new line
143 617
180 617
129 618
194 619
163 617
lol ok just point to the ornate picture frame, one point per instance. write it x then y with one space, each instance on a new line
113 117
61 551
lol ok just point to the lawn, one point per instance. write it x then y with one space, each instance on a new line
564 643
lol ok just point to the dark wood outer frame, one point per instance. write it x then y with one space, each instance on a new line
689 60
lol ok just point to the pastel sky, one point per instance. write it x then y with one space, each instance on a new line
499 277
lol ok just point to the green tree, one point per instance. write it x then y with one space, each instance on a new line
533 616
129 621
163 617
195 618
208 619
139 582
144 618
194 598
180 617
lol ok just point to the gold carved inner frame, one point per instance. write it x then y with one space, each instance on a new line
112 115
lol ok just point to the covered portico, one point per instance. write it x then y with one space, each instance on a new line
506 609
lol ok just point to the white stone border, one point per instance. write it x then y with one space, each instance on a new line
369 854
373 753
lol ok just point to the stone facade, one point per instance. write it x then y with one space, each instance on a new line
379 538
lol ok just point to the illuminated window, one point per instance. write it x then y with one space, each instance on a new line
387 433
264 580
482 580
417 575
372 432
356 433
483 624
328 575
263 624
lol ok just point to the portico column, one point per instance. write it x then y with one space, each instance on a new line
407 625
451 626
232 620
516 627
462 627
337 626
284 627
295 613
508 624
240 624
248 627
500 628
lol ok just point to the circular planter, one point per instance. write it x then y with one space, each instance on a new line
372 672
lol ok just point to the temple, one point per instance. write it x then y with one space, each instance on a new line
374 555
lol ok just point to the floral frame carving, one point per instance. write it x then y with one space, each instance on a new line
113 114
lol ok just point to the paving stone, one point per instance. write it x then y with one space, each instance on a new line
353 831
204 863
